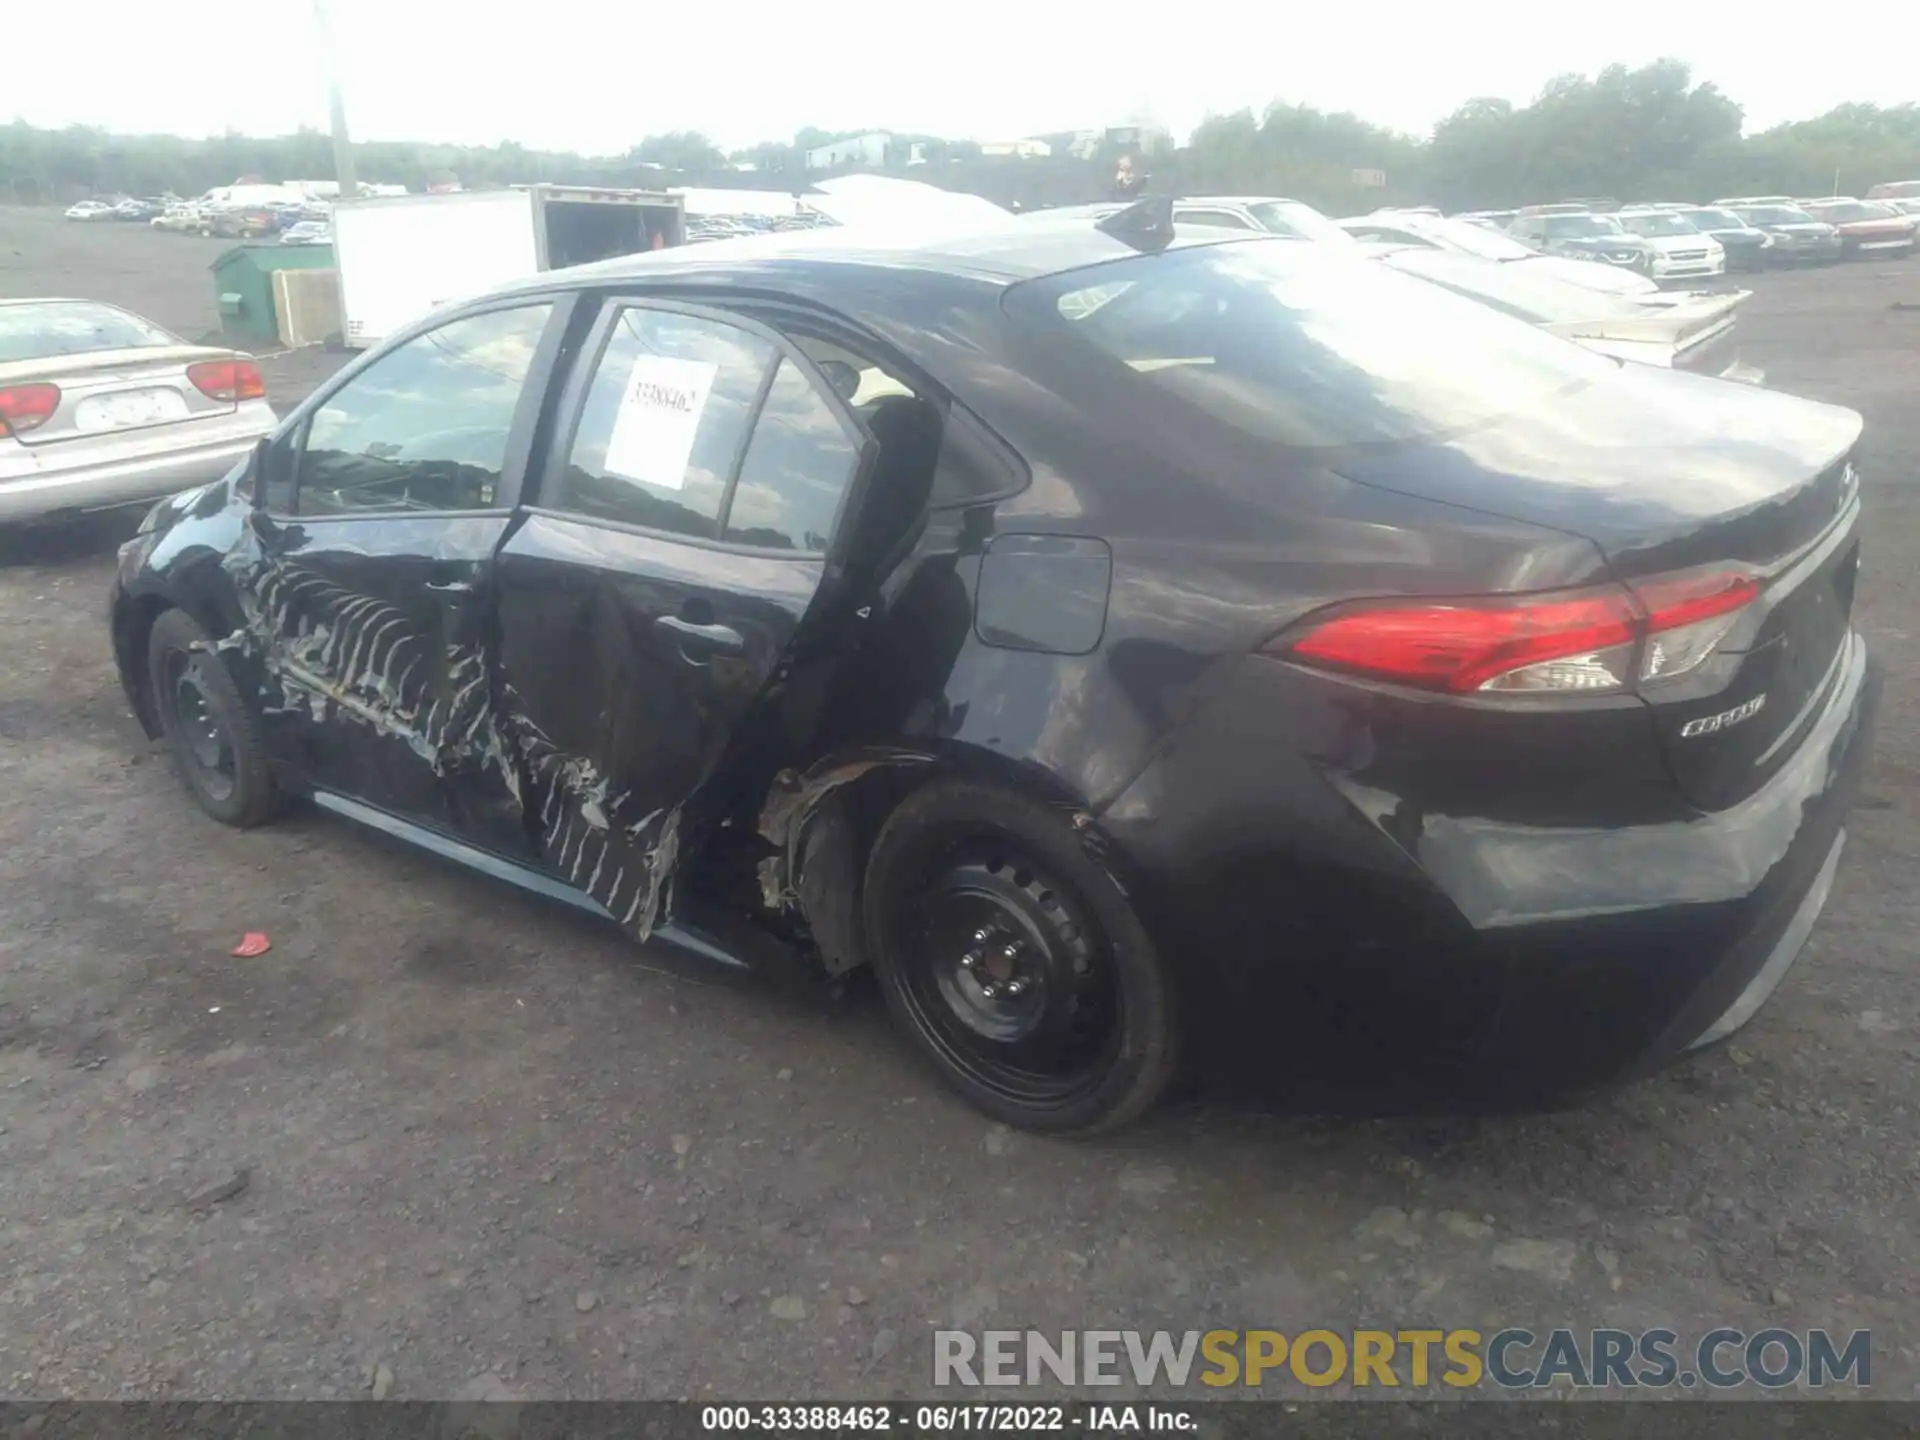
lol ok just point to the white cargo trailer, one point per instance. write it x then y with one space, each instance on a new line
401 257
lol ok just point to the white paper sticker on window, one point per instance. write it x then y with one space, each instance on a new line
659 416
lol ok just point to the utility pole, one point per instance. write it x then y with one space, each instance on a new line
342 146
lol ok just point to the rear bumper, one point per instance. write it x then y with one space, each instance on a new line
1350 949
1882 245
122 481
1824 249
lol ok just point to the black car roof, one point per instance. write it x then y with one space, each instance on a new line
1023 249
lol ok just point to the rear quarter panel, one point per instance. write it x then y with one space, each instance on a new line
1214 550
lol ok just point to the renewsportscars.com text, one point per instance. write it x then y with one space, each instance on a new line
1512 1359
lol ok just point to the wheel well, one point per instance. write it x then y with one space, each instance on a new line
826 840
132 627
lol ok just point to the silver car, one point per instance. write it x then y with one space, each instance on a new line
1460 237
1675 330
99 408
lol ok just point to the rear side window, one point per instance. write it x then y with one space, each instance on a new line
665 418
1296 345
1224 218
47 331
974 463
798 465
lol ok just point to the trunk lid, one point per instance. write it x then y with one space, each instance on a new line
110 392
1696 329
1667 471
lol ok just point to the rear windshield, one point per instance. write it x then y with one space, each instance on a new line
1775 215
50 329
1661 222
1560 226
1298 345
1713 219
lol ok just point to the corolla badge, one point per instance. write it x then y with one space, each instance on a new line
1713 724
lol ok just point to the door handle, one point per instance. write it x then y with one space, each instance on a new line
712 639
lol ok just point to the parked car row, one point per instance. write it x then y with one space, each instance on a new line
701 228
211 217
244 222
118 207
1664 239
1659 244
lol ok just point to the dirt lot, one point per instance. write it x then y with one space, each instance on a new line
490 1147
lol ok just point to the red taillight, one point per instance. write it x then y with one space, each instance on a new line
1687 615
228 380
24 407
1674 600
1585 641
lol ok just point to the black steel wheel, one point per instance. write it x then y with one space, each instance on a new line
215 743
1015 962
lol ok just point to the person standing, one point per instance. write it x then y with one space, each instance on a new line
1129 178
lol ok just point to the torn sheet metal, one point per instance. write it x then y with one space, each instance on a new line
348 658
792 800
624 861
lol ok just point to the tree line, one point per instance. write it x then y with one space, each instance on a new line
1649 133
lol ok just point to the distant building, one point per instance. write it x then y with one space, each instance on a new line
1147 139
868 150
1143 137
1020 149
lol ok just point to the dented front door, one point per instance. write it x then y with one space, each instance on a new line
651 593
363 577
377 628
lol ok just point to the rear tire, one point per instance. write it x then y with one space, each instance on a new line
213 735
1015 962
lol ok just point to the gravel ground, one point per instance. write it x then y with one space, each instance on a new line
475 1144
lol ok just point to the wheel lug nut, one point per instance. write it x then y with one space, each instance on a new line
1016 987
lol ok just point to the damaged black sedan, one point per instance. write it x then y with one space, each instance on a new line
1132 644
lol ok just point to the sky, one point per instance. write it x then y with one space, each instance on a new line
597 75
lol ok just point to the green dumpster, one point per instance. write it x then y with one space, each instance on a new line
243 287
